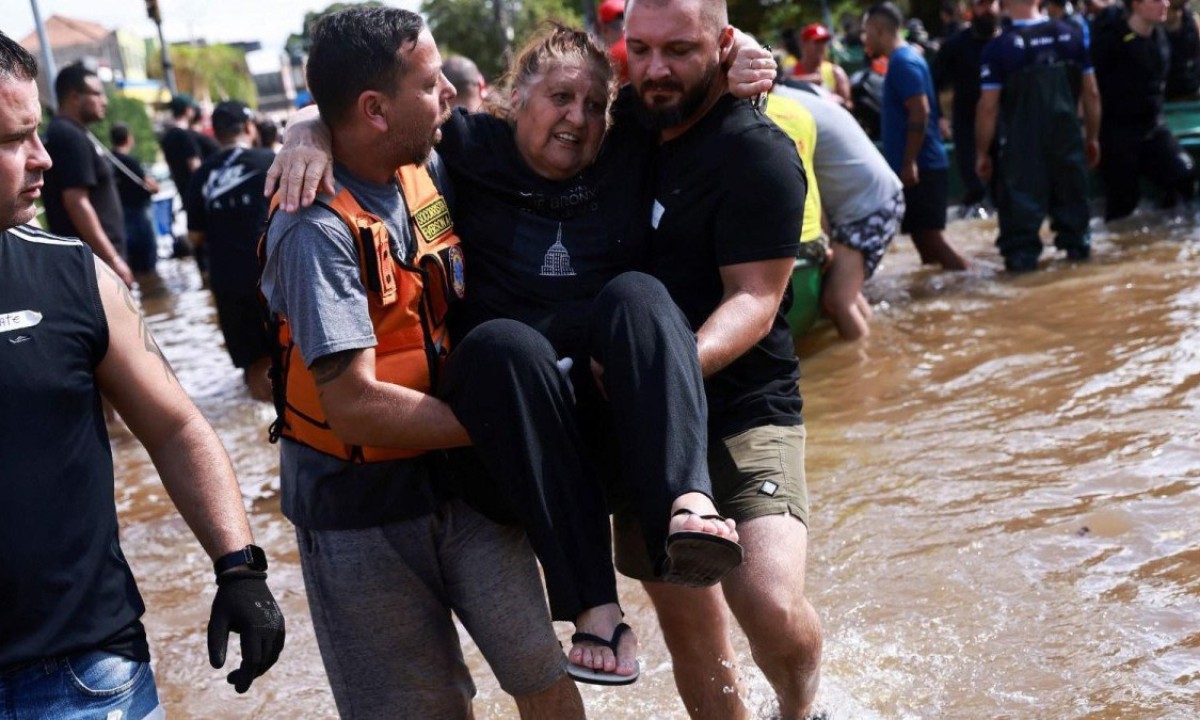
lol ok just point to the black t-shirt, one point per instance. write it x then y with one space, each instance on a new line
1131 71
226 203
79 163
729 191
957 64
208 146
538 250
132 195
65 584
179 146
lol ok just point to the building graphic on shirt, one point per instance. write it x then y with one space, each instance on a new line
557 262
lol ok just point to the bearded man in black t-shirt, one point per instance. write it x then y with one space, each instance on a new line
728 205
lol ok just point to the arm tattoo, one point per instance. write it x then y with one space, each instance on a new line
328 368
143 331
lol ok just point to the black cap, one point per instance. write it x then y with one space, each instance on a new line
229 117
181 103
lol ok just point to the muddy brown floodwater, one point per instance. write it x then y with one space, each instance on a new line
1006 520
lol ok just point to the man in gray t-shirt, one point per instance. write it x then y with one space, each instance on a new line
386 549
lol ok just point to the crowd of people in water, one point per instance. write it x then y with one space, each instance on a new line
548 318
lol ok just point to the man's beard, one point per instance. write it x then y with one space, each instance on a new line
689 103
417 149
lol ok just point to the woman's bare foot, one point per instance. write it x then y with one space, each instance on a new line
700 505
602 622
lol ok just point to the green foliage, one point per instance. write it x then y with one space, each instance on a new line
472 28
132 112
218 72
299 43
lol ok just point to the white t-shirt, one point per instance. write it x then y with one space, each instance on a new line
855 180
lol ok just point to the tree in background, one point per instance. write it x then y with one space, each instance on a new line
487 30
298 44
132 112
218 72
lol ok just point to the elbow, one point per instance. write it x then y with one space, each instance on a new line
345 423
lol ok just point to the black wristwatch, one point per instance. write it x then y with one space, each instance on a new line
251 555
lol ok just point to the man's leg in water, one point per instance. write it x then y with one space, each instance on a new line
695 623
842 290
765 594
492 583
767 597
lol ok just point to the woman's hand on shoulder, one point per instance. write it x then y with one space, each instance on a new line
304 166
752 71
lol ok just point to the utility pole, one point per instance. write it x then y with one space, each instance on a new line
168 69
47 55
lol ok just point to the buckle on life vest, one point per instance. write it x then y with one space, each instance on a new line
379 272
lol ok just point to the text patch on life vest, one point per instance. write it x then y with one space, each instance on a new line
19 320
433 219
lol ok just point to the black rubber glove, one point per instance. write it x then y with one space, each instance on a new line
244 605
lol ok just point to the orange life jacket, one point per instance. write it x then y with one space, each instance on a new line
408 303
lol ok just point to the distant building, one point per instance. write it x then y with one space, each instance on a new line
118 56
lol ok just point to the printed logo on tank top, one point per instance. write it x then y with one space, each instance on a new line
557 262
19 321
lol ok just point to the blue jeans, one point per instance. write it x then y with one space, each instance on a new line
94 684
141 241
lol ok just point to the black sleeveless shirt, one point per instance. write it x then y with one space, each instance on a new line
65 585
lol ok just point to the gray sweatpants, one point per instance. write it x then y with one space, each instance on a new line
381 600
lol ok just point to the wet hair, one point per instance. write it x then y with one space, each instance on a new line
356 50
16 63
714 14
554 45
72 78
888 14
118 134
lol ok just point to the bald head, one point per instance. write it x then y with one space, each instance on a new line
468 82
714 14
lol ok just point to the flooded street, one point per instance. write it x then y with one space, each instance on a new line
1006 520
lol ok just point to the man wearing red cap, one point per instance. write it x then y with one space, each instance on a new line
611 24
815 68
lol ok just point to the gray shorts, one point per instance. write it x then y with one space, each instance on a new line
756 472
381 600
872 234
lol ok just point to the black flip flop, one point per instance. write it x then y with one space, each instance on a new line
699 559
599 677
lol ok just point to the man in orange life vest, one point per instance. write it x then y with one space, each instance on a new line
361 282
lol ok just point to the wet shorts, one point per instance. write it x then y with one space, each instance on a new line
755 473
241 321
381 599
925 202
872 234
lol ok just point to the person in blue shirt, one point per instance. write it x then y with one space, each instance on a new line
1033 78
911 143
